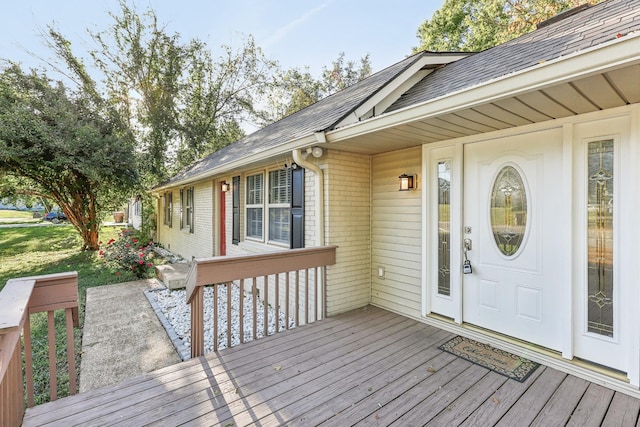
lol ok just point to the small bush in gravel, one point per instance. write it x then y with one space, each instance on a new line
128 253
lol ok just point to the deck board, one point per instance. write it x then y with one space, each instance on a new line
366 367
592 408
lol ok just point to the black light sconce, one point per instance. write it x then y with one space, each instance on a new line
407 182
225 187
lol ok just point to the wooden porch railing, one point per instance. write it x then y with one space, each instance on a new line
292 280
18 300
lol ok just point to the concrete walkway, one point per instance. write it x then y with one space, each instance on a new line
122 336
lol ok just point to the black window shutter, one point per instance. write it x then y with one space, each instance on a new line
235 187
296 233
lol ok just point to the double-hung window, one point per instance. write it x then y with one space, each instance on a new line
190 209
167 201
279 205
186 209
255 206
274 210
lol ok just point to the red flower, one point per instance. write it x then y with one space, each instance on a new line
149 265
135 240
141 262
127 246
141 254
117 273
100 242
133 267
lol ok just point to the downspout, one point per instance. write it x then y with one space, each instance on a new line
319 189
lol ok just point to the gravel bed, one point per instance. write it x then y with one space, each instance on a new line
172 304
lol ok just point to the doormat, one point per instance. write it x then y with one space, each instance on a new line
500 361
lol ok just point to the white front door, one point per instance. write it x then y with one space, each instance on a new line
512 220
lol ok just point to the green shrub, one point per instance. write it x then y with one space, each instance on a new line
129 254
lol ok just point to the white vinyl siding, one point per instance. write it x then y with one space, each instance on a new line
396 233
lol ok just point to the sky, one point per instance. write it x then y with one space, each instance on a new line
296 33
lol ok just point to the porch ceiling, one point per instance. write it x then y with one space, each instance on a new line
613 88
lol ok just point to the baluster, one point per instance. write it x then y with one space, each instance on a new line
266 306
277 298
215 317
229 290
53 381
241 311
254 290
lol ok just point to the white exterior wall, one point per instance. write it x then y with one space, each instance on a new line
181 241
396 233
348 226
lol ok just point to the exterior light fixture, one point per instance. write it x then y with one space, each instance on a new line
225 187
406 182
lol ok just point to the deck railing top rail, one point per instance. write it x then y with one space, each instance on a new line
18 300
207 271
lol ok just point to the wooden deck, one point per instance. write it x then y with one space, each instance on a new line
366 367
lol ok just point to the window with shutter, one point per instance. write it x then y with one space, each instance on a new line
279 205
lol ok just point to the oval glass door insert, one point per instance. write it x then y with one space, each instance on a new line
508 210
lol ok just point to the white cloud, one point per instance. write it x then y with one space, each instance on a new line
283 31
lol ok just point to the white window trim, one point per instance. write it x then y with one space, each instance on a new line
266 206
248 206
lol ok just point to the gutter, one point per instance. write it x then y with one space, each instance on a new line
319 189
241 162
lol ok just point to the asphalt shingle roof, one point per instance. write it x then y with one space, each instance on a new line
587 28
590 27
322 115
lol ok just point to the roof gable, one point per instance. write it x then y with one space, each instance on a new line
590 27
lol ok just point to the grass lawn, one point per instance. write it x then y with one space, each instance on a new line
32 251
8 216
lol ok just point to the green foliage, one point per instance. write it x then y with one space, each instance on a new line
129 253
476 25
181 103
294 89
63 146
342 74
33 251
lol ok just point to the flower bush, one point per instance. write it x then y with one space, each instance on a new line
127 253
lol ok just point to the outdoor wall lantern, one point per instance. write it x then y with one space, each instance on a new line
406 182
225 187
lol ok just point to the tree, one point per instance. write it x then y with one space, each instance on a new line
64 146
294 89
181 103
341 74
476 25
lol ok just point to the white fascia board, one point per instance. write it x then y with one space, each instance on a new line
245 162
606 56
399 85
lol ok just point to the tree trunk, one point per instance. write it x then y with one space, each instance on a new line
84 219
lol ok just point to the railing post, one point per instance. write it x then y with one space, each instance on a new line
14 310
197 323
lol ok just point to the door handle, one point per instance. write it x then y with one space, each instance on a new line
466 265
